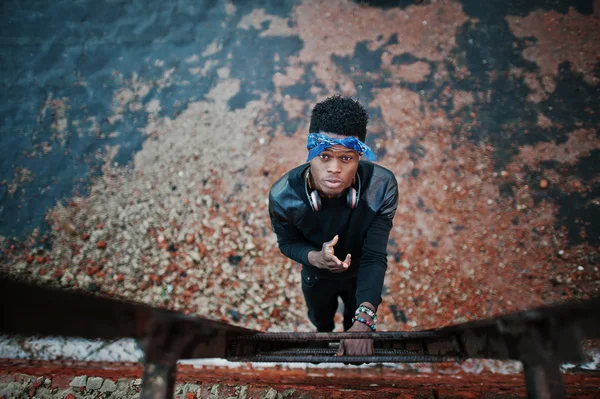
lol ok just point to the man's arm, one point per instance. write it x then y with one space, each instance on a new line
373 263
290 240
372 269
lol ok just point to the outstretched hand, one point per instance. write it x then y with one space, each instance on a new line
326 259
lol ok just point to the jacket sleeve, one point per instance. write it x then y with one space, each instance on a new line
373 263
290 240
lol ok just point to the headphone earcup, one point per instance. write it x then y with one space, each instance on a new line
315 200
352 198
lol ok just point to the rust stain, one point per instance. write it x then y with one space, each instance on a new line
559 37
479 229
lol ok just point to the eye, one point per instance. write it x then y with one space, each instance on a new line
346 159
324 156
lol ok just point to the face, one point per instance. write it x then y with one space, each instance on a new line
334 169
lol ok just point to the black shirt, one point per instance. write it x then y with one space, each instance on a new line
363 232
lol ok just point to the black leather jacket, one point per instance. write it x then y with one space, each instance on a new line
363 231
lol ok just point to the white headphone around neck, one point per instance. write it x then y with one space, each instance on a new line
352 197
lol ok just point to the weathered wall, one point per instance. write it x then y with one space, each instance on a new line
487 112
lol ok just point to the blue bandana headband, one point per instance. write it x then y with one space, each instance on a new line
317 143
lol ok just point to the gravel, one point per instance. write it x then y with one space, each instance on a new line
186 226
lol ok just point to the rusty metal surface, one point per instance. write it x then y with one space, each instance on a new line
331 351
486 112
377 358
321 336
541 339
158 381
79 314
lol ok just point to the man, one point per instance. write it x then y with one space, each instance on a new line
334 215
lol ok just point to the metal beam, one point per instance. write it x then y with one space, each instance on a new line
542 338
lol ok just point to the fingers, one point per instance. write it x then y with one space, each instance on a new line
340 351
337 266
328 246
347 261
331 260
356 347
334 240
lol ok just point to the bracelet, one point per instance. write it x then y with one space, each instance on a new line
366 310
367 322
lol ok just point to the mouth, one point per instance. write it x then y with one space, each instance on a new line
332 183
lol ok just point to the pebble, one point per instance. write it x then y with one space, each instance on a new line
194 388
101 244
195 255
94 383
108 386
79 381
243 392
270 394
189 239
202 248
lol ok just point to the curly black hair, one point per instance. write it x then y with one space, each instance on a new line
341 115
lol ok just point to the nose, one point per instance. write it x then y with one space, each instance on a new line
334 166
